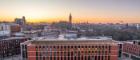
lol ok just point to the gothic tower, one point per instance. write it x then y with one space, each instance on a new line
70 18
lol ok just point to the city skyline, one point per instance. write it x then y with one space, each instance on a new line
93 11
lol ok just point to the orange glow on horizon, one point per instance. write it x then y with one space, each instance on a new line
77 20
92 11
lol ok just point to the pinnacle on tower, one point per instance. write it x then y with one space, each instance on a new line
70 18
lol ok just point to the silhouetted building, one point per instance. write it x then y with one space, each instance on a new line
20 21
70 20
69 50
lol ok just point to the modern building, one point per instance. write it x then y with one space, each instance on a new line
132 50
6 29
69 50
11 46
70 35
20 21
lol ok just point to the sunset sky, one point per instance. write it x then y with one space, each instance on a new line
94 11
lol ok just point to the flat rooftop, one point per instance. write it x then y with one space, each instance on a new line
13 38
71 42
132 42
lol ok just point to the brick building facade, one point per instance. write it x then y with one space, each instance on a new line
70 50
132 50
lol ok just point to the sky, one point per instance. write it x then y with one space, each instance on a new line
93 11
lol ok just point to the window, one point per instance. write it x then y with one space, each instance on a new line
71 46
54 57
105 57
98 57
43 58
43 47
36 53
68 57
78 46
92 46
61 57
68 54
109 49
108 57
65 47
85 46
95 57
65 58
75 58
40 56
106 47
51 58
39 46
75 46
102 57
88 57
82 46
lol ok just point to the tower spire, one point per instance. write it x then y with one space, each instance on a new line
70 18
